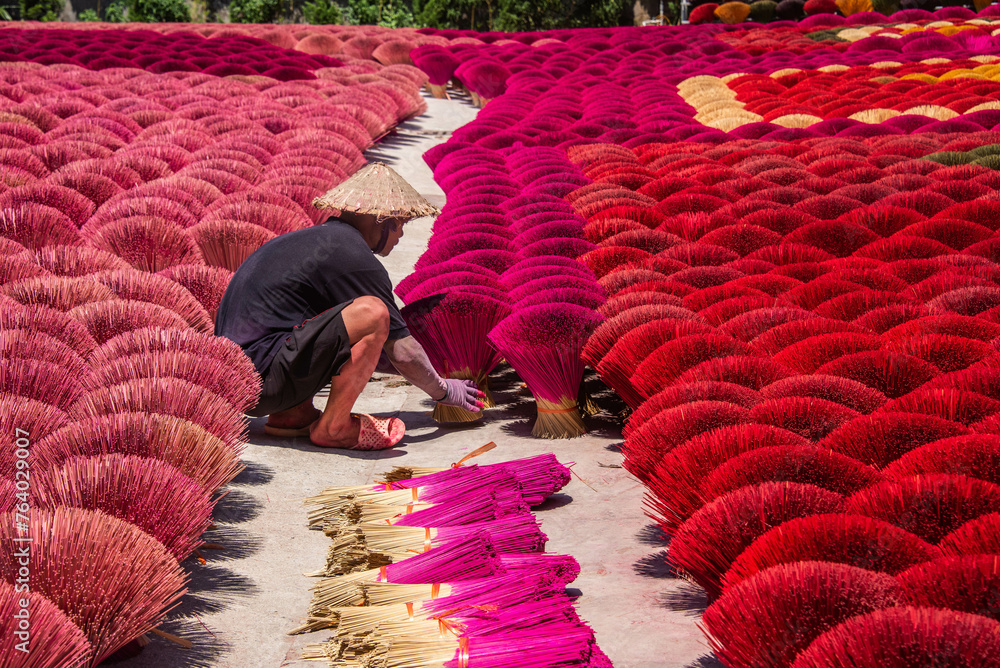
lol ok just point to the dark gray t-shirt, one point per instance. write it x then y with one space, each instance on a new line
297 276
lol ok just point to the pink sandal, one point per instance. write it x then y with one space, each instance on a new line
378 433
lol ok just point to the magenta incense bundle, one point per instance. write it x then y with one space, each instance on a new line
543 343
452 328
540 476
439 500
375 544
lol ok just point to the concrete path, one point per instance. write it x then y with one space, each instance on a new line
245 598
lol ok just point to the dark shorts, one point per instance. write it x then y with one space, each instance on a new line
313 353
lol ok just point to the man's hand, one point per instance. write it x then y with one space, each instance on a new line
462 393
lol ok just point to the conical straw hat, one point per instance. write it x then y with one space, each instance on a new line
376 189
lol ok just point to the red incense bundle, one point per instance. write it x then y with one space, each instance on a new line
906 636
543 343
452 328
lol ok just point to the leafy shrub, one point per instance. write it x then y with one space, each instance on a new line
157 11
88 16
322 12
254 11
115 13
387 13
41 10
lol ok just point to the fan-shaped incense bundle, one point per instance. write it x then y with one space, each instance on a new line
239 389
114 581
452 328
150 494
169 396
543 343
771 617
184 445
846 539
706 545
906 636
48 627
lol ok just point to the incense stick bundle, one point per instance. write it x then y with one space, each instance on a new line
558 644
543 343
452 328
540 476
503 590
473 557
454 486
374 545
65 644
114 581
374 631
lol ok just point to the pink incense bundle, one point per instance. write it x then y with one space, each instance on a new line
199 455
42 381
75 260
453 496
452 328
36 345
114 581
65 645
149 493
107 319
148 243
239 389
132 284
207 284
169 396
543 343
557 644
15 268
418 277
372 545
60 293
154 340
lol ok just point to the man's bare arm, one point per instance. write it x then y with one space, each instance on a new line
411 362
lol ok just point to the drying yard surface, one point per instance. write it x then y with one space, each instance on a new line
250 594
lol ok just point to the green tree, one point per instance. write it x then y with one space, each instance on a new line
254 11
387 13
115 13
40 10
157 11
88 16
322 12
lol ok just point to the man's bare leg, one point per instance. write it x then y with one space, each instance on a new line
295 417
367 324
